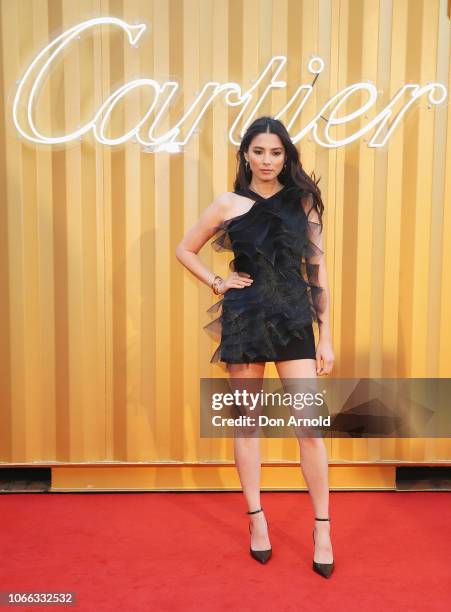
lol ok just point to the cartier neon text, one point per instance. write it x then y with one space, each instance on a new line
248 101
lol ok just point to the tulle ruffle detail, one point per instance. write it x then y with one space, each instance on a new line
276 243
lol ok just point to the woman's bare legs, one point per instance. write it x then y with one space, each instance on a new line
314 465
247 460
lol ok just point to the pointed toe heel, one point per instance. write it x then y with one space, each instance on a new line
323 569
262 556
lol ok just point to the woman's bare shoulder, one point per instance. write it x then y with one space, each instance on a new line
224 203
224 198
229 204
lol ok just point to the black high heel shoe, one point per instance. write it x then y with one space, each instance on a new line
323 569
262 556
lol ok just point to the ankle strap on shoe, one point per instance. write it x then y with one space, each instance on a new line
322 519
255 511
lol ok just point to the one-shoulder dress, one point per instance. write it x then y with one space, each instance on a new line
277 244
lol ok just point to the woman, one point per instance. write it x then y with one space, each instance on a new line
278 285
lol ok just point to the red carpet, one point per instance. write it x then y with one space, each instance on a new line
180 551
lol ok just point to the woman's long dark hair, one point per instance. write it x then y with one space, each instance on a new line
293 172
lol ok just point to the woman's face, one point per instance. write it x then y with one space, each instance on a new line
266 156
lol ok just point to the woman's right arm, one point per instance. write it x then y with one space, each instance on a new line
195 238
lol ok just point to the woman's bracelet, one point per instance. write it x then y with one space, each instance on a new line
214 285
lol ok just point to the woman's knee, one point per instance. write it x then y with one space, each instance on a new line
311 442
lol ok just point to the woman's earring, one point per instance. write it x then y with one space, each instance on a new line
284 167
247 166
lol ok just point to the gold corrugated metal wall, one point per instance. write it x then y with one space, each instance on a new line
102 345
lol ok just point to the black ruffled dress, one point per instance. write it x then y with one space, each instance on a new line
275 242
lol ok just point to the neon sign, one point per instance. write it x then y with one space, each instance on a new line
384 122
